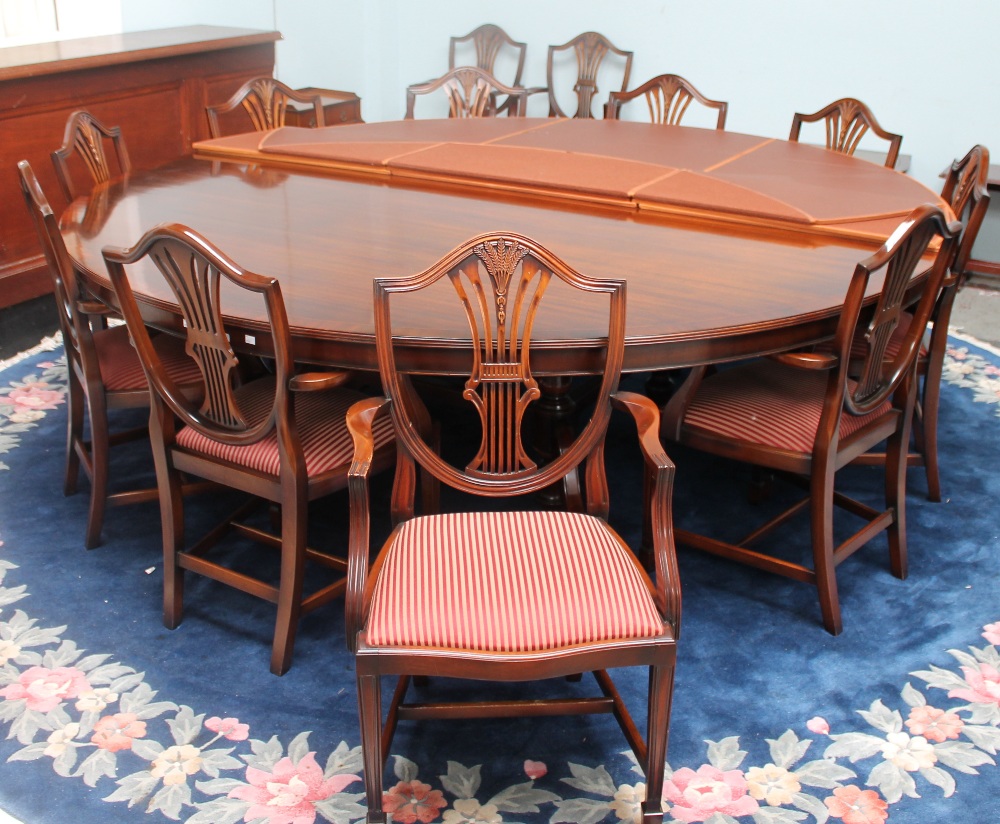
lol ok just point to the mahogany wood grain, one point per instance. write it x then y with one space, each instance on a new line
699 291
153 84
496 284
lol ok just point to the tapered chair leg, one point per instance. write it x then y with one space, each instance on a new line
100 449
293 562
929 425
661 686
821 514
370 714
895 500
74 432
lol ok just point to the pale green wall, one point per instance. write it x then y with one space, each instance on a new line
768 58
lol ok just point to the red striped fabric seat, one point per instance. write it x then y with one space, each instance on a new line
320 420
508 582
770 404
120 366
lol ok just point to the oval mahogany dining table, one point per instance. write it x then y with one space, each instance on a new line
732 245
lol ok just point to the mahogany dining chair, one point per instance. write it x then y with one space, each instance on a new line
265 101
668 97
847 121
809 414
505 595
83 147
280 438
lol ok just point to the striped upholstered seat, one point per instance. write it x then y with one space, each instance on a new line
509 582
770 404
121 369
320 419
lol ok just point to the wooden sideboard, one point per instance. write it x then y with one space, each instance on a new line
153 84
339 109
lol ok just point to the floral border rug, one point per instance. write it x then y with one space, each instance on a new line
88 719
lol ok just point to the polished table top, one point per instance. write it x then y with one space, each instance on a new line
723 258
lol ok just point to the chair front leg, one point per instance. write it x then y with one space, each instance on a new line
821 517
661 688
100 455
370 714
74 432
895 496
293 564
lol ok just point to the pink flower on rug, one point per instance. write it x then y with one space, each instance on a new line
818 725
984 685
535 769
44 689
35 396
286 795
934 724
856 806
991 632
115 732
696 796
230 728
412 801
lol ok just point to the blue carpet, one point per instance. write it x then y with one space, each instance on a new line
107 716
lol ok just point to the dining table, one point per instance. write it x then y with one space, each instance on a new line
732 245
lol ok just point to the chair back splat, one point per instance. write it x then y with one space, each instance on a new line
506 288
278 437
668 97
84 146
489 42
265 102
590 49
472 92
847 121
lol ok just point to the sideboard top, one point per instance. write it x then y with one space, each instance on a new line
128 47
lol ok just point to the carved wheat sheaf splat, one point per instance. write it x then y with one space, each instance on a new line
488 44
468 95
500 286
845 128
266 105
887 314
590 53
195 283
89 145
668 101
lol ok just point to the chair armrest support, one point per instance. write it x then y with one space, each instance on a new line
93 307
660 479
360 418
317 381
818 361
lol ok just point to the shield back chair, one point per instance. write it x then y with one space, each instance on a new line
265 101
490 43
965 191
847 121
668 97
472 92
84 147
552 559
809 414
282 437
590 49
104 372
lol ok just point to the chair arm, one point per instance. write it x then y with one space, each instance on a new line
807 360
93 307
660 475
317 381
360 418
